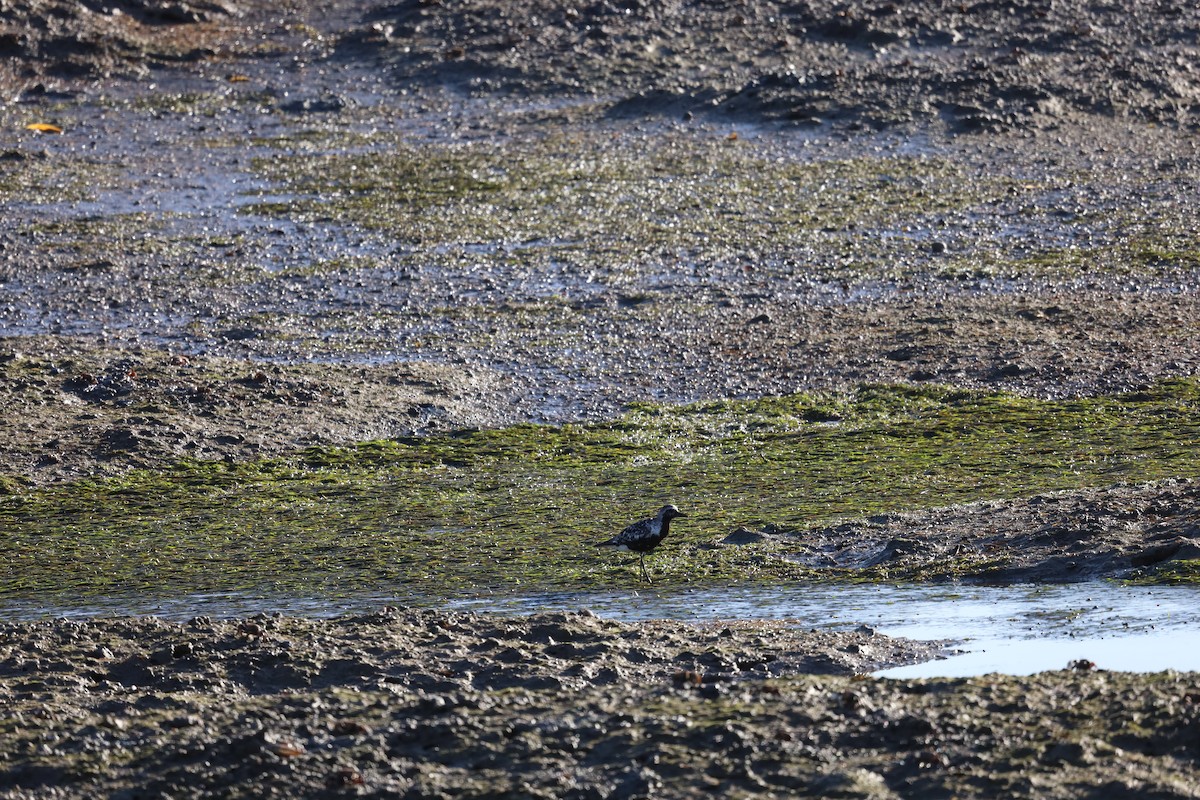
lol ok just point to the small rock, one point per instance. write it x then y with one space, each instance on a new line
349 727
1013 370
1067 753
743 536
326 103
906 353
248 628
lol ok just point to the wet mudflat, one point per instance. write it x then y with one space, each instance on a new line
877 292
432 704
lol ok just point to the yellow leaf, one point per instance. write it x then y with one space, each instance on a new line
237 78
43 127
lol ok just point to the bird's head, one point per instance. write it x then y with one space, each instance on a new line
670 512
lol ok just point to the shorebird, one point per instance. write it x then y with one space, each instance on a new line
644 535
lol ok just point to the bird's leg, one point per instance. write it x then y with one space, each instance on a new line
642 561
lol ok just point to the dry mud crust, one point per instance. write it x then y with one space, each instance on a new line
1059 537
558 705
982 65
76 410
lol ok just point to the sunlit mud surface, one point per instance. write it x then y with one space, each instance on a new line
898 301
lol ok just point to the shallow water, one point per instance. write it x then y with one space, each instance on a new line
1018 630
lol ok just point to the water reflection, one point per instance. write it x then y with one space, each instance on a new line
1016 630
1011 629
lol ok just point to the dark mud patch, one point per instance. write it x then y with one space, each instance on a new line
48 39
1133 532
977 65
562 705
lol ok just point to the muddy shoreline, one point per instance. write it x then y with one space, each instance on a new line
286 260
431 704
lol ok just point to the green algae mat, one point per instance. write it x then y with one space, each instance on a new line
531 201
518 510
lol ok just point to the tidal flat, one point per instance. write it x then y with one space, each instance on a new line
322 323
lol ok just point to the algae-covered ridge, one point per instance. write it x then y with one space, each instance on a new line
519 509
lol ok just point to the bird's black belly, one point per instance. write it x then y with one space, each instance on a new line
643 545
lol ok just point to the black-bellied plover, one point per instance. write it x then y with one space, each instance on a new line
644 535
